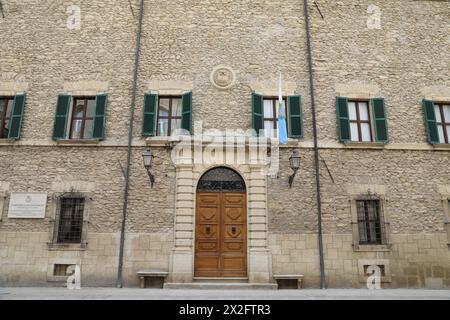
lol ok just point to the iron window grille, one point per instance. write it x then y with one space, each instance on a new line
370 222
221 180
70 220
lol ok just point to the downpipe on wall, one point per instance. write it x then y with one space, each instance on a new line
137 56
316 148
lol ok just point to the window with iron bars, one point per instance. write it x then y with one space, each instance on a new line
70 224
370 224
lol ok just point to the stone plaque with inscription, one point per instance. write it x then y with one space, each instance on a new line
27 205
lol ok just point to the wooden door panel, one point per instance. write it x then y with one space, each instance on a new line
207 231
234 236
221 235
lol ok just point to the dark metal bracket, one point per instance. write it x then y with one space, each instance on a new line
291 178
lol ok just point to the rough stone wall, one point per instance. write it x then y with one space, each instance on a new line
185 41
400 59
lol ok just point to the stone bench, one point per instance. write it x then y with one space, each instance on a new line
297 277
152 274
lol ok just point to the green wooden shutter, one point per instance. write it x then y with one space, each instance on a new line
149 115
430 121
101 103
257 112
15 122
186 115
380 120
343 117
295 117
62 111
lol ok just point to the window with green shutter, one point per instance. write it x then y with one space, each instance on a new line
87 117
257 112
362 120
380 120
343 119
149 115
11 116
430 121
439 128
186 115
101 104
295 117
17 116
61 115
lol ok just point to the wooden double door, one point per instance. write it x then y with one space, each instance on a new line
221 234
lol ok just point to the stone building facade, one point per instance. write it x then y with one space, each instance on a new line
223 55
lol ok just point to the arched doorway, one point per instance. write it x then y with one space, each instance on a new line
221 225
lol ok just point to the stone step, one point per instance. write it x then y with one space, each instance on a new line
220 280
221 286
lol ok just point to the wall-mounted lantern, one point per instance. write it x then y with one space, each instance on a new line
148 162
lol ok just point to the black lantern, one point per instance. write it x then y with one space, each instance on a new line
148 162
294 163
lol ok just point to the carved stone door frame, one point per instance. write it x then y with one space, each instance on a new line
259 260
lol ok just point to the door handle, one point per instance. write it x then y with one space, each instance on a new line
233 229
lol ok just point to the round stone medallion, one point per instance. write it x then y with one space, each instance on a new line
223 77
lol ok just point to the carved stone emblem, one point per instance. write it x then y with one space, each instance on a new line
223 77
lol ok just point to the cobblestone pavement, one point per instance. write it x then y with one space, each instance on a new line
182 294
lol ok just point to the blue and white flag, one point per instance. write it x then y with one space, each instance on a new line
282 132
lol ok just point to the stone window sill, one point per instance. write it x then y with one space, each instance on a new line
77 142
372 248
291 143
67 247
7 142
160 141
441 146
364 145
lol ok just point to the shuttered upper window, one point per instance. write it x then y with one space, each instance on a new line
362 120
437 121
11 114
163 115
265 115
79 118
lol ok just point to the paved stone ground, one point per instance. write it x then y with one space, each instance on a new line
181 294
